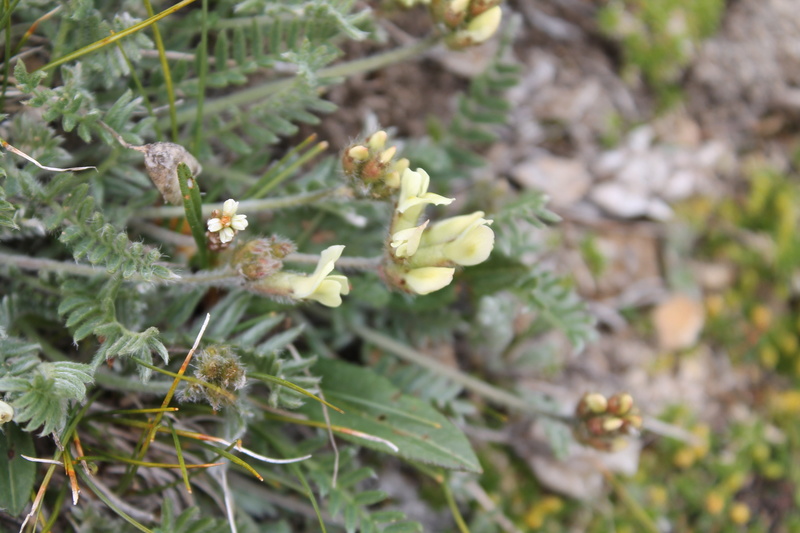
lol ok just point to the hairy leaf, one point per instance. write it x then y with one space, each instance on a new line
373 405
16 473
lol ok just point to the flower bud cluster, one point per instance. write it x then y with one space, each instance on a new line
422 257
371 168
320 285
220 366
469 22
602 422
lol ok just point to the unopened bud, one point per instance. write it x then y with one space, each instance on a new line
476 7
620 403
633 423
478 30
454 13
592 403
214 242
359 152
612 424
372 170
387 154
595 425
377 140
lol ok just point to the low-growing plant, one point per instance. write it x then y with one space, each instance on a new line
207 365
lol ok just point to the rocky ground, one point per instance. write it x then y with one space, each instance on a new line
615 168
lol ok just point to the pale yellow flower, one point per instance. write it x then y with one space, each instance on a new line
464 240
405 242
320 286
414 196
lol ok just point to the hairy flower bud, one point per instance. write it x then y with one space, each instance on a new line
477 30
370 168
260 258
377 140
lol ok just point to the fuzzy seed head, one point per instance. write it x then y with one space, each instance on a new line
220 366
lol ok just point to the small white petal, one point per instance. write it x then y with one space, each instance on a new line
226 235
239 222
229 207
214 224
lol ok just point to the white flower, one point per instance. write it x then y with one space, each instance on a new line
414 194
405 242
320 286
228 223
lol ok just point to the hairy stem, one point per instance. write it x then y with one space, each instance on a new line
254 94
246 207
224 277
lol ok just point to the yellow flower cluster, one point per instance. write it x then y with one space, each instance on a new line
423 257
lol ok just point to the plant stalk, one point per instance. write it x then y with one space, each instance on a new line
254 94
247 207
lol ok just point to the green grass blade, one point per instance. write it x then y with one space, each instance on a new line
97 45
192 207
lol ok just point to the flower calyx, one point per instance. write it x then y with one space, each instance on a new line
259 258
320 286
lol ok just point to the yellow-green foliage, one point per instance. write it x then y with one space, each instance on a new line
755 236
659 37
